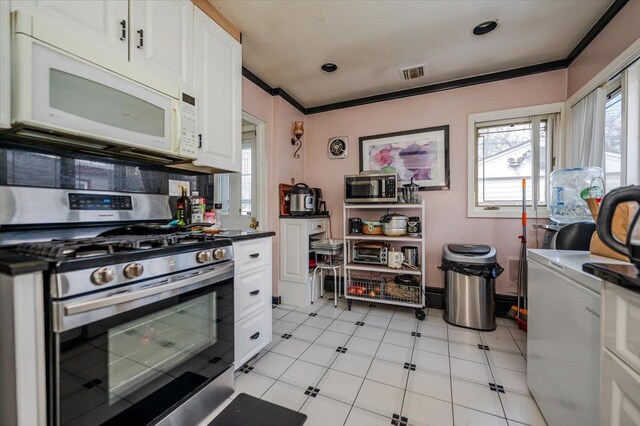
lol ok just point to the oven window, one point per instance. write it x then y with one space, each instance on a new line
154 344
129 369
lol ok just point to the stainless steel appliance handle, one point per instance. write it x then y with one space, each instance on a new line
149 290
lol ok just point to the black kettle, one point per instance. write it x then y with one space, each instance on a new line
630 247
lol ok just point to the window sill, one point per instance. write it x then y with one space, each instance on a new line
507 213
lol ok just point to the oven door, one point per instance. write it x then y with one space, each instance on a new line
133 355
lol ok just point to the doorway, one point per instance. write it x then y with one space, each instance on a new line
241 195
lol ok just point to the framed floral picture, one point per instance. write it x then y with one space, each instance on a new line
421 154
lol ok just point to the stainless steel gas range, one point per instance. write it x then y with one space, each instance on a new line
136 322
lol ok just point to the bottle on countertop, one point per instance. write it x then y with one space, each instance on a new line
197 207
183 209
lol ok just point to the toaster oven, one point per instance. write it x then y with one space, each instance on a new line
373 253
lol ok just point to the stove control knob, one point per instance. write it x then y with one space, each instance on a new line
204 256
218 254
102 276
133 270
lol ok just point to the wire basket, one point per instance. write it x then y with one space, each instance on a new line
383 289
327 247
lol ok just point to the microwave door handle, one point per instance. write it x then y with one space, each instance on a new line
175 143
149 292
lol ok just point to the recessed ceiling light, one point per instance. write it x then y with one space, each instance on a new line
485 27
328 67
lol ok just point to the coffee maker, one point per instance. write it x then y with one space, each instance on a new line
630 247
320 206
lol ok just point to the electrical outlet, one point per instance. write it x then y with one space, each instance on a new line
175 187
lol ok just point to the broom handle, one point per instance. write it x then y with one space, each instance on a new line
524 242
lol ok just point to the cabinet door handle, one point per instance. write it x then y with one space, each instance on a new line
254 255
141 42
255 336
254 292
123 26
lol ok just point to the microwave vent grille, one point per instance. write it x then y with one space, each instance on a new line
413 72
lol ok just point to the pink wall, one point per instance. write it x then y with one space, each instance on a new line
278 115
620 33
446 210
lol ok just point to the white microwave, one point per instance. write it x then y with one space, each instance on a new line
60 97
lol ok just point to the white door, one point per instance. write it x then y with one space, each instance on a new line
104 23
218 82
238 191
294 249
162 39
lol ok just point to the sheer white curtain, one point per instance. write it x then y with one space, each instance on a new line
587 130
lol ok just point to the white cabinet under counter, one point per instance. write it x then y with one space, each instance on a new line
252 297
620 374
296 234
563 337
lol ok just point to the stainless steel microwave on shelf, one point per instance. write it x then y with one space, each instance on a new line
371 188
91 102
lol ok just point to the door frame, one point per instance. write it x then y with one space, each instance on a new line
261 169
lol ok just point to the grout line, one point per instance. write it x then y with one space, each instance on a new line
379 342
269 351
453 415
298 358
494 380
367 373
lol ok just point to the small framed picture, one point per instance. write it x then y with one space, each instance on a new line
421 154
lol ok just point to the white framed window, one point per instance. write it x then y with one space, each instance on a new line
245 179
505 147
614 149
236 191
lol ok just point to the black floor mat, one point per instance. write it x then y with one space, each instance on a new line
247 410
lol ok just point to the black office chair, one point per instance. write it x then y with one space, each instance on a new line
576 236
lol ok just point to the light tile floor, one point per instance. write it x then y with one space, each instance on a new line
377 365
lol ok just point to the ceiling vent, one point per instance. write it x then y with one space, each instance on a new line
411 73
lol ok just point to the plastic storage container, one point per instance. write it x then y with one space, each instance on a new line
470 285
566 204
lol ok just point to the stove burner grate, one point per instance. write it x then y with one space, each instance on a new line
102 246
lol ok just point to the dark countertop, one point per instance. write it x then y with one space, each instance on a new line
12 263
315 216
246 235
623 275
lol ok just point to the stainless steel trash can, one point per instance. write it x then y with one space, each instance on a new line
469 285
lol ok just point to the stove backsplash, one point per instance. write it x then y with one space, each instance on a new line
65 170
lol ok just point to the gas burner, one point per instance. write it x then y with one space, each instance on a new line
102 246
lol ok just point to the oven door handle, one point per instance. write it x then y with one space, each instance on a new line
120 298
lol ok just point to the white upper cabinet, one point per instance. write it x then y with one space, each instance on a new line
218 82
104 23
162 39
